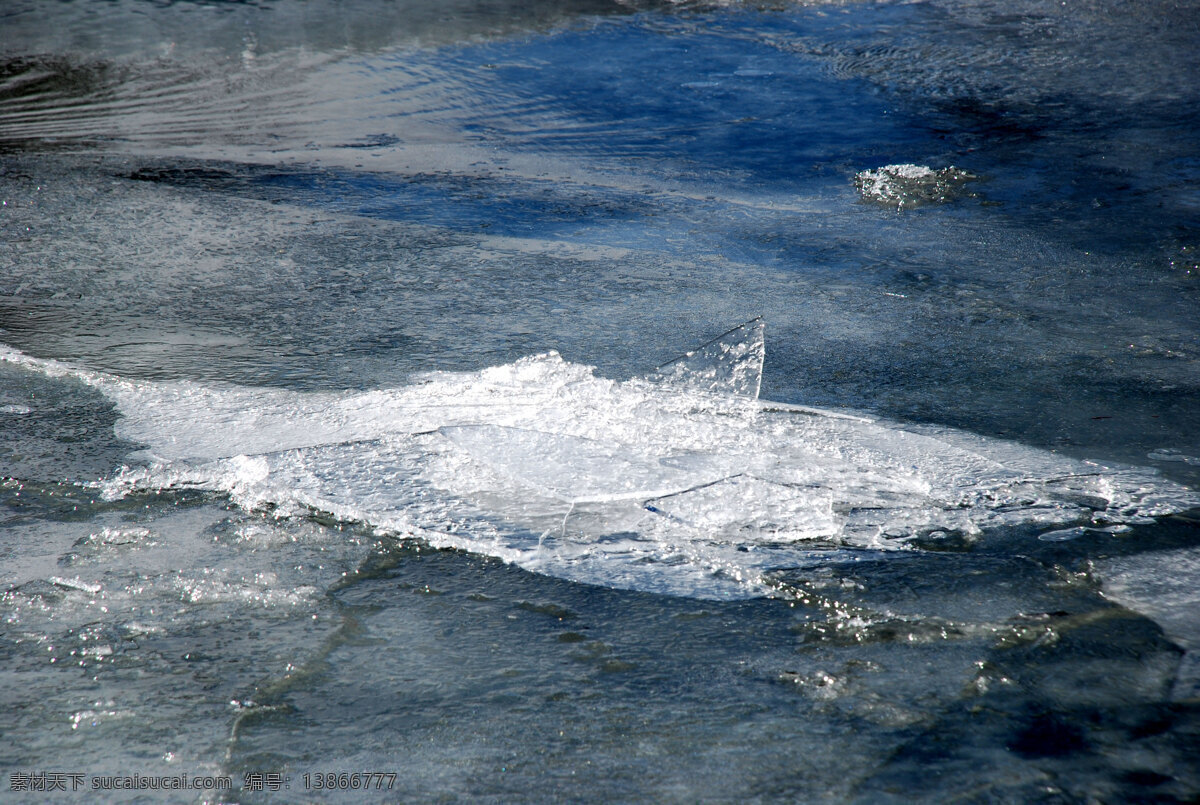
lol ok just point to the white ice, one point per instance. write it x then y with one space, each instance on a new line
681 481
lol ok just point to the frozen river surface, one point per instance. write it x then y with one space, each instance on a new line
369 404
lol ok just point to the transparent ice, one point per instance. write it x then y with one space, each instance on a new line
657 483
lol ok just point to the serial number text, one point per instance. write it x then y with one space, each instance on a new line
350 781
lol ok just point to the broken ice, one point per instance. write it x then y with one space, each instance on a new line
680 481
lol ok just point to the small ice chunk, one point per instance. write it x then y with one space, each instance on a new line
77 584
249 469
908 185
1064 534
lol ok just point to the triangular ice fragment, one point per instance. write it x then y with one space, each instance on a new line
729 364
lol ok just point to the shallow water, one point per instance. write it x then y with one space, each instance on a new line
256 255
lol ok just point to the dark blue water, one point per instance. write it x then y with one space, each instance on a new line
323 197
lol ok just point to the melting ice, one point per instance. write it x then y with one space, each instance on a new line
907 185
680 481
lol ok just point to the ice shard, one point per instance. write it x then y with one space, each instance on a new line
731 363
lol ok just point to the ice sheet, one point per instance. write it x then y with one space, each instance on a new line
658 483
1164 586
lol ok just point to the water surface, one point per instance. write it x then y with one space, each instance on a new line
275 207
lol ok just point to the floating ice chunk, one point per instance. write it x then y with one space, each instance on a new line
262 589
94 718
1169 454
909 185
1063 534
679 481
77 584
731 363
